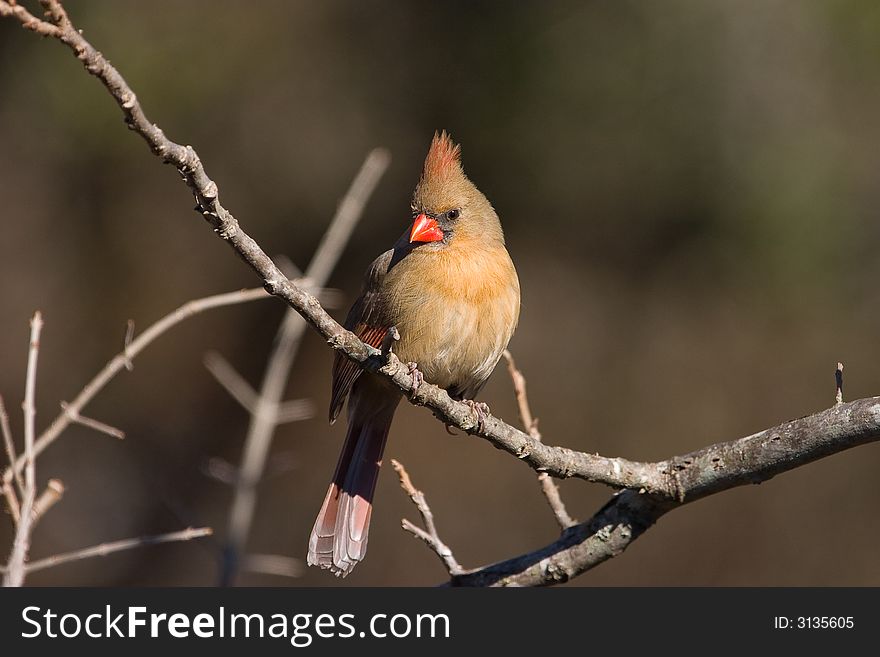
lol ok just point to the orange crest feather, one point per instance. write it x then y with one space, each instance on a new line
444 157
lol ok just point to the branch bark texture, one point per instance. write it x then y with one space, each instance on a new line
749 460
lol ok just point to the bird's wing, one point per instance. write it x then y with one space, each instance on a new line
367 320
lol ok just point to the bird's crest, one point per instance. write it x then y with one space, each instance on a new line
444 158
443 183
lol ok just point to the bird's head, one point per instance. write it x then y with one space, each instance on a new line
446 205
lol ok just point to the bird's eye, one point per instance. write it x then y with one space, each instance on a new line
453 214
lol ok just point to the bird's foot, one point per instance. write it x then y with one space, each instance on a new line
417 376
480 411
449 429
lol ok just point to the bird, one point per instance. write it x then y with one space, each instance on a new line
449 293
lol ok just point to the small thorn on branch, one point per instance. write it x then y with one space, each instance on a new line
838 377
430 537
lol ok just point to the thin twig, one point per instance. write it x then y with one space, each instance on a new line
101 427
30 407
55 11
117 363
294 410
28 20
265 418
15 570
49 498
126 343
12 502
233 382
8 491
548 486
272 564
430 537
104 549
838 377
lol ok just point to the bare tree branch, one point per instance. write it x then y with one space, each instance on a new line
749 460
104 549
49 498
654 487
28 21
118 363
272 564
8 492
265 416
556 461
21 544
101 427
232 382
240 390
548 486
581 547
838 377
294 410
30 407
430 537
12 502
126 343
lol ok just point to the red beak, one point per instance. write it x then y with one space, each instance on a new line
425 229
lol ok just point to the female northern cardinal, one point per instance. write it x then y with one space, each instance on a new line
450 289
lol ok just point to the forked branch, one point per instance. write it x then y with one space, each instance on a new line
653 488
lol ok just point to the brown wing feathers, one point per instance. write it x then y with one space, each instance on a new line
346 372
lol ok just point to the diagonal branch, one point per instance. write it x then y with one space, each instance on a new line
233 382
266 416
548 486
100 427
429 535
654 487
104 549
556 461
581 547
119 362
28 21
720 467
272 564
15 568
8 492
48 498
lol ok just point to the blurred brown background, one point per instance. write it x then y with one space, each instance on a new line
689 193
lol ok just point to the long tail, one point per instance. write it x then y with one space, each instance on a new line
339 537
